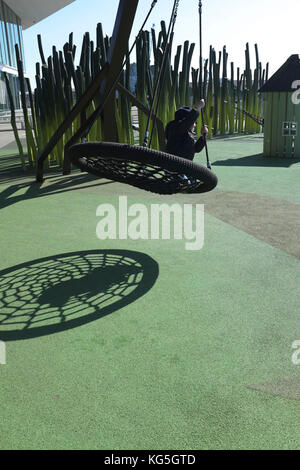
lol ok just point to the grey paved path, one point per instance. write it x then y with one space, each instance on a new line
7 136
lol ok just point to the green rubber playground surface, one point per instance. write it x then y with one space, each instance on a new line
142 344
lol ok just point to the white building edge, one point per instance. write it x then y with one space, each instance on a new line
32 11
15 16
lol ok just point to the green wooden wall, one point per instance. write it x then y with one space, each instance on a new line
279 109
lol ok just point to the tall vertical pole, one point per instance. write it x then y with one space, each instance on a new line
201 78
200 45
117 51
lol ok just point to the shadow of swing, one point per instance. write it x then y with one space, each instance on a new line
56 184
65 291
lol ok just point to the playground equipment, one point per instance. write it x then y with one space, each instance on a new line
282 111
144 168
139 166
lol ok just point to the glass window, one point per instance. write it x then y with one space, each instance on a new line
21 44
15 91
4 43
11 46
2 46
289 128
6 33
10 35
3 93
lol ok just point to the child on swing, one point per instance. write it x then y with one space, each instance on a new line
180 133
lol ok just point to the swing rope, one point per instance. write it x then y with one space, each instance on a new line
208 164
258 120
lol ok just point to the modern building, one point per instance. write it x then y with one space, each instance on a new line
16 15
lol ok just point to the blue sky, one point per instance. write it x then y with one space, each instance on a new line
272 24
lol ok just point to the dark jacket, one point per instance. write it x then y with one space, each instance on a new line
180 141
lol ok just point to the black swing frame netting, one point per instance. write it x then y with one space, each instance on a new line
144 168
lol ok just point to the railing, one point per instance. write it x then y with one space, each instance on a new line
5 117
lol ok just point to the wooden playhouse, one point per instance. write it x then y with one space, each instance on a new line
282 111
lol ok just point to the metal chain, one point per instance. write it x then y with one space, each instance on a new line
176 11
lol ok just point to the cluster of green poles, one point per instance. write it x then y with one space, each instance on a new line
60 83
229 95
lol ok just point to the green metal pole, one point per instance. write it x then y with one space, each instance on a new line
81 105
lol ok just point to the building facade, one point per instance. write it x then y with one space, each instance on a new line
16 15
10 34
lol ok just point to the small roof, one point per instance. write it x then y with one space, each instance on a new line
284 77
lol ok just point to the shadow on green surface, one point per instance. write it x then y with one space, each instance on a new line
54 185
11 172
258 160
57 293
239 137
